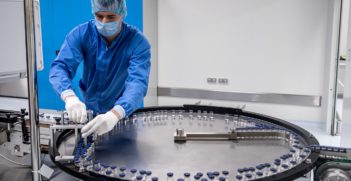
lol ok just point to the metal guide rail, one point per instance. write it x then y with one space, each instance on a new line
188 143
334 163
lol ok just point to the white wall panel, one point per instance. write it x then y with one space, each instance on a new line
261 46
346 117
150 31
12 36
12 48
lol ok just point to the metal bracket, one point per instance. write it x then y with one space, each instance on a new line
63 125
181 136
54 128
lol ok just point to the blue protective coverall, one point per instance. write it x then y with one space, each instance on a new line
112 75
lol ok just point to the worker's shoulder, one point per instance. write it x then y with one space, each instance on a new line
83 29
134 32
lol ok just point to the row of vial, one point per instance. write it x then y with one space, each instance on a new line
296 155
180 115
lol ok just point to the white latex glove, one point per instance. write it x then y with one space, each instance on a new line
77 112
101 124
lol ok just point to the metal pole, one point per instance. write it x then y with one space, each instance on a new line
32 89
335 122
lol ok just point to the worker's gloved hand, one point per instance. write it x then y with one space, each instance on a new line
77 111
101 124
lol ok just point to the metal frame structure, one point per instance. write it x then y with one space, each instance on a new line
32 88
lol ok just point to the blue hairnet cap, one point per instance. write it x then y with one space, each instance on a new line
116 6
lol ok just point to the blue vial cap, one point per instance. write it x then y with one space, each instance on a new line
108 172
342 150
204 179
197 177
277 163
277 160
239 177
96 162
122 169
267 165
216 173
122 175
133 170
209 173
90 159
113 167
240 170
252 169
285 166
273 170
259 174
180 179
97 169
293 162
225 172
142 172
148 173
139 177
221 179
246 169
186 174
170 174
86 165
106 166
154 179
248 175
211 176
199 174
259 167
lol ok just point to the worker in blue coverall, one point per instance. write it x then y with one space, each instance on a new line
116 59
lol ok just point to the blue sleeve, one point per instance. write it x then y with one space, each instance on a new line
136 84
64 67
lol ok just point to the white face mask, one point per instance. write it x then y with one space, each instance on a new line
107 29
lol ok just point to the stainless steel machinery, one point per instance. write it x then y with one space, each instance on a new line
193 142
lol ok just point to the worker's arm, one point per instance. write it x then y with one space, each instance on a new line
64 67
63 70
136 84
